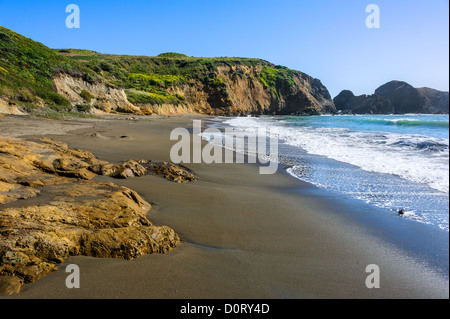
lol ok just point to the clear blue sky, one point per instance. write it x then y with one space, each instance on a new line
326 39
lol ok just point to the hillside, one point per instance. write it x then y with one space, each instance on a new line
394 97
35 78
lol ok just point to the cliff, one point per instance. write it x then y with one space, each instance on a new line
35 78
395 97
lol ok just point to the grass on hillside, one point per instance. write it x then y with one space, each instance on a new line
27 69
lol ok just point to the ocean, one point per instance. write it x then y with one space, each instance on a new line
393 162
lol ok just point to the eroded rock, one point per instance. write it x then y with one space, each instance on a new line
74 215
171 172
10 285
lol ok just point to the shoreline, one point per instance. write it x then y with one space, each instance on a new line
244 235
379 221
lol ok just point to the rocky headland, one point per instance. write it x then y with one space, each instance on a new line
395 97
37 79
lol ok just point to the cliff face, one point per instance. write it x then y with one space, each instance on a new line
34 77
235 95
102 96
394 97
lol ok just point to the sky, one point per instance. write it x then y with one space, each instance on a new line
327 39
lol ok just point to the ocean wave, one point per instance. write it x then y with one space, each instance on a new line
408 122
420 159
384 169
424 145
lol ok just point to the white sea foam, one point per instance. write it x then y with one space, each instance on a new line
386 166
420 159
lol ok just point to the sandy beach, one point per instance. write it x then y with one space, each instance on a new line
244 235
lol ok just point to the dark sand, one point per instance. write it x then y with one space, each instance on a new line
244 235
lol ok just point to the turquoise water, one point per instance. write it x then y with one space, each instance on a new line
427 125
389 161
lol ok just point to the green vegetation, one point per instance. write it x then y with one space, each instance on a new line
83 108
139 97
277 79
219 84
75 51
158 75
172 55
216 82
27 69
86 96
142 81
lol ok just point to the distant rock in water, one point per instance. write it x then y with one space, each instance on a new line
432 98
395 97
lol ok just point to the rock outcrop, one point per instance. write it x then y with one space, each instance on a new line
434 101
394 97
51 208
171 172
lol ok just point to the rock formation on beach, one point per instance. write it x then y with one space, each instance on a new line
38 79
395 97
51 208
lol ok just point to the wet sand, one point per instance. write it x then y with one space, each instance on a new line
244 235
